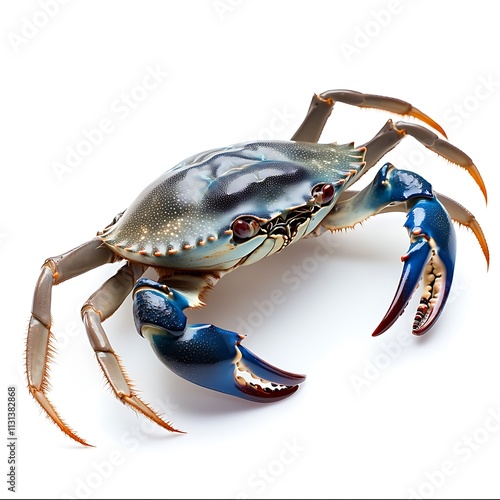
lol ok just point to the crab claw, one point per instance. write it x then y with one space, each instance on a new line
205 354
431 257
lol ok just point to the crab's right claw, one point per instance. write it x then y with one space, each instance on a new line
205 354
431 257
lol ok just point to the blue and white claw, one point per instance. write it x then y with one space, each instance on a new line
430 258
205 354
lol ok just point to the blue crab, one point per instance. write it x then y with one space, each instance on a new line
230 207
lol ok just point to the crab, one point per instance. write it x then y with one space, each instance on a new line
231 207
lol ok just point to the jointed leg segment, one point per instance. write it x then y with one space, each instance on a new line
390 135
38 343
100 306
322 105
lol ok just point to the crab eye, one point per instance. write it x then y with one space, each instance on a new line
246 228
323 193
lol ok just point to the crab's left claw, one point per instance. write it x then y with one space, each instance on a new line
431 257
205 354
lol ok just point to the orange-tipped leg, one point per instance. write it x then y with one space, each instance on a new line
99 307
38 341
321 107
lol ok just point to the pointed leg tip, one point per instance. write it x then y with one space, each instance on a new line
138 405
168 426
76 438
172 429
481 238
51 413
416 113
474 172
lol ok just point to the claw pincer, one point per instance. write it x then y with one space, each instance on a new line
431 257
205 354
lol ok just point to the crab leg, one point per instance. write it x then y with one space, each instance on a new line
431 255
38 343
322 105
205 354
99 307
392 133
461 215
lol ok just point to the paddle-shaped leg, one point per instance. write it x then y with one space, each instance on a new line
205 354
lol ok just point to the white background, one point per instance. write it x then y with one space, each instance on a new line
396 416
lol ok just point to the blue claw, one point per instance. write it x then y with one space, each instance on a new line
205 354
431 256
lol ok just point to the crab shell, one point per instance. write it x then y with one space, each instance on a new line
184 219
